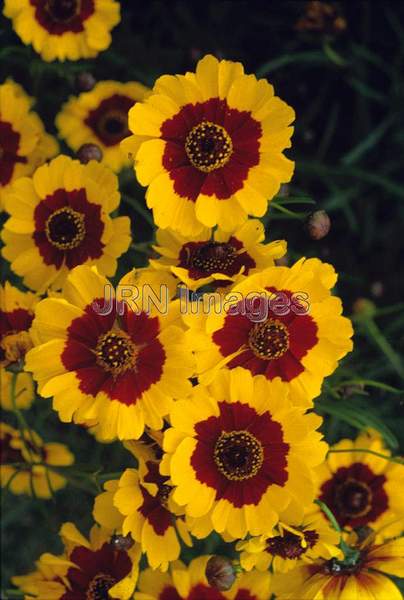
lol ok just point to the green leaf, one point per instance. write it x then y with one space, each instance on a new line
368 143
309 57
358 414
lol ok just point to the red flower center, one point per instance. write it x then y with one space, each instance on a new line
208 146
63 11
9 146
290 545
269 340
116 352
113 125
65 228
355 495
99 586
354 498
213 257
61 16
68 228
109 121
238 455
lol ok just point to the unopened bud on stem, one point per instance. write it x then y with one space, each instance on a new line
318 225
88 152
220 573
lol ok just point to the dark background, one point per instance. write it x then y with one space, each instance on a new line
348 93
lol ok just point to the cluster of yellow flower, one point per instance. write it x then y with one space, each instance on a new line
215 402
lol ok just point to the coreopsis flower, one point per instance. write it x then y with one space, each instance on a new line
288 545
24 143
88 569
16 314
102 359
64 29
101 117
217 257
149 515
209 146
45 582
60 218
239 452
190 583
33 475
140 505
282 323
361 577
360 488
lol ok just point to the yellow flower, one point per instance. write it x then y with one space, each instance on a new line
117 363
140 506
34 477
282 323
361 489
238 453
68 29
88 568
101 117
163 283
45 582
60 218
24 144
217 257
288 545
150 515
16 315
190 583
362 578
209 147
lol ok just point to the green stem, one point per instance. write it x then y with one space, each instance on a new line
373 332
288 212
399 461
22 424
329 515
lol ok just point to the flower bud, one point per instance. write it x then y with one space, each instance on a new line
85 82
122 542
88 152
318 225
362 307
220 573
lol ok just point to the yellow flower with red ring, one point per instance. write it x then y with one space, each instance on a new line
360 488
71 29
26 463
60 218
101 117
217 257
362 578
45 582
209 146
289 544
238 452
282 323
24 143
190 583
16 314
88 568
106 361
